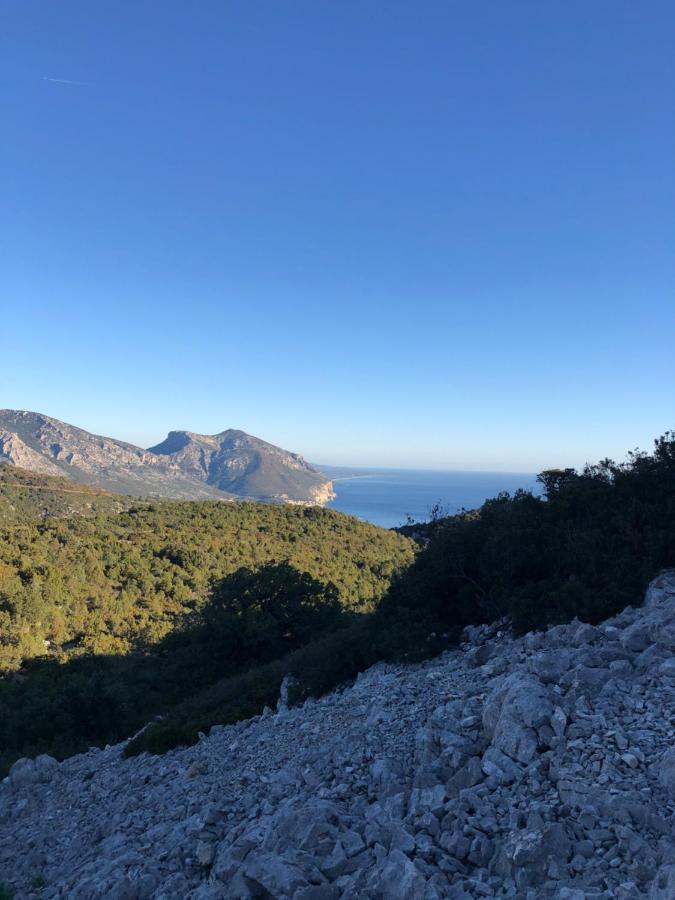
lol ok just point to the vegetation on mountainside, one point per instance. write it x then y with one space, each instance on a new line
90 596
586 548
26 496
252 619
114 583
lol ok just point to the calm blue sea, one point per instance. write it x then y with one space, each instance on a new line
387 496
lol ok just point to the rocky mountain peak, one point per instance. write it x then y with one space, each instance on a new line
228 465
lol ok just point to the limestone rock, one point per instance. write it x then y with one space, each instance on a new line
388 788
661 590
399 879
663 886
23 772
513 711
665 769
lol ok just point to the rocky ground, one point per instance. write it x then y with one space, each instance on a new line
538 767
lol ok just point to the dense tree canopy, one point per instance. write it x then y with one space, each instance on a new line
118 581
198 610
586 548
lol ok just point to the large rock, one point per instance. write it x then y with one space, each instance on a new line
23 773
45 766
651 657
500 767
514 710
478 656
271 873
399 879
586 680
664 634
469 775
665 769
551 665
663 886
661 590
636 637
527 854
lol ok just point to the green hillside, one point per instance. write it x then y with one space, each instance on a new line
88 578
195 611
26 496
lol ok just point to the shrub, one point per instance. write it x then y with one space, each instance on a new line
587 548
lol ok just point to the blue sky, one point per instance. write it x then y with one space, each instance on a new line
435 234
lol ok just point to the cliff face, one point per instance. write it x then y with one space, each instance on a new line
228 465
533 768
13 450
239 463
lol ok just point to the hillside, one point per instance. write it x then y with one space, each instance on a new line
198 610
25 496
189 466
518 764
539 767
125 573
101 598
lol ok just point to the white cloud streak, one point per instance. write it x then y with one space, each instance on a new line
64 81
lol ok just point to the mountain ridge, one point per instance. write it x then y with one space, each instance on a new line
229 465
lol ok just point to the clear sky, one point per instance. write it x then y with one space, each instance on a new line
436 234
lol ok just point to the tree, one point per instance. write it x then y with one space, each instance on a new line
258 614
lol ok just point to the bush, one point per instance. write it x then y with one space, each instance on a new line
587 548
225 702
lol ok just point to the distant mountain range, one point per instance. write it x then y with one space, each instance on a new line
226 466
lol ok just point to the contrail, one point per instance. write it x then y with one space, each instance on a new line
64 81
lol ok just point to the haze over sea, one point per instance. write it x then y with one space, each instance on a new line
387 497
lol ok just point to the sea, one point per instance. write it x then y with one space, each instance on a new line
391 497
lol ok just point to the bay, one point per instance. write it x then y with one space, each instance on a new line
387 497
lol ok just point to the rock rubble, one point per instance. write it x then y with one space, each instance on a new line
528 768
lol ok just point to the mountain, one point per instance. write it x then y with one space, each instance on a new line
237 463
224 466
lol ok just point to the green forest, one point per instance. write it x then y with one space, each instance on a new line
102 574
190 614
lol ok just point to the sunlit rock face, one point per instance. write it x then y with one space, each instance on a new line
226 466
533 767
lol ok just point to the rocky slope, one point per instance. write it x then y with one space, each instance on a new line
224 466
237 463
537 767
